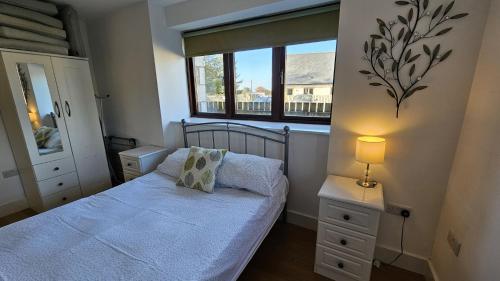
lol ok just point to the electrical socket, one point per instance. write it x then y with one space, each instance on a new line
396 209
454 244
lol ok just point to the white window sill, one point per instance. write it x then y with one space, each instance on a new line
294 127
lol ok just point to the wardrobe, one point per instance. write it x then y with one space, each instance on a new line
50 115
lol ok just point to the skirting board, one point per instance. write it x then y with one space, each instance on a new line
408 261
431 274
13 207
302 220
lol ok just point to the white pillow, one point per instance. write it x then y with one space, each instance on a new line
251 172
172 165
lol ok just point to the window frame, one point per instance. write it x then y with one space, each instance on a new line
277 96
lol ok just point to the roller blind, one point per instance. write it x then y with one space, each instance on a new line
315 24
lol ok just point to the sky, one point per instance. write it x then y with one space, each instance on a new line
255 66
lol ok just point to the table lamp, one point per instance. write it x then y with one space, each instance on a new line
369 150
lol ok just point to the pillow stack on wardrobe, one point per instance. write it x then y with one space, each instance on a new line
32 25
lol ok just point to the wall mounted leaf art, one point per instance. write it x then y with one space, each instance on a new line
399 54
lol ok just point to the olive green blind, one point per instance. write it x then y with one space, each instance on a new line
303 26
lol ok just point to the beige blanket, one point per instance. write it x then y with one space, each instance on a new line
6 20
26 14
39 6
12 33
32 46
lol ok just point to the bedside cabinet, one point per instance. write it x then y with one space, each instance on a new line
347 229
140 161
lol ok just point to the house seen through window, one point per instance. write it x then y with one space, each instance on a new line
274 68
305 81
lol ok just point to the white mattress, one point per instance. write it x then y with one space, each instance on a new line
146 229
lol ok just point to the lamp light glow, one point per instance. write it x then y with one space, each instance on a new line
369 150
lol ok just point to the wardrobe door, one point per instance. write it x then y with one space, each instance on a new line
82 120
38 107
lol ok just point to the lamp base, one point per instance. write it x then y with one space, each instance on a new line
367 184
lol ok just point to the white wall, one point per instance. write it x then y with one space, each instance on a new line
194 14
11 191
471 209
421 143
171 79
123 61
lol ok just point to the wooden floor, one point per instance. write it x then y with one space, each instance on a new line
16 217
286 254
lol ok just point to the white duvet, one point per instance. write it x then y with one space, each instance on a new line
146 229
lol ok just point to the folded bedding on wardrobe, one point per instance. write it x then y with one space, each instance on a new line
39 6
26 14
12 33
27 25
32 46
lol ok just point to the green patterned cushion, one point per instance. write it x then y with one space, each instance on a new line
200 168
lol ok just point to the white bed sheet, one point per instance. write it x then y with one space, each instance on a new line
146 229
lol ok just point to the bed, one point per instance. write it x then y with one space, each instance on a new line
146 229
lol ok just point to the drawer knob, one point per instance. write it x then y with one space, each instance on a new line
60 184
56 169
346 217
129 164
343 242
340 265
64 199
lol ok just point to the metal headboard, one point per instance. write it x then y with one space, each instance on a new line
237 128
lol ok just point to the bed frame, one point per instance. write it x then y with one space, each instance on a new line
229 128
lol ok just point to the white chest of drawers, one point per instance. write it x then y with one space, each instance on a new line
140 161
347 229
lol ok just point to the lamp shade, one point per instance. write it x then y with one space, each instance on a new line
370 150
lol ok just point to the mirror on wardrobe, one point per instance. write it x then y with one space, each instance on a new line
41 109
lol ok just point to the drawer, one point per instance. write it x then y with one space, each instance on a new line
339 266
53 185
342 239
349 216
130 176
54 168
131 164
62 197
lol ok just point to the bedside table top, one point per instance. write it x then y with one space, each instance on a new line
142 151
346 190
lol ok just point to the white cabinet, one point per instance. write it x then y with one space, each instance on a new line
82 121
140 161
51 120
347 229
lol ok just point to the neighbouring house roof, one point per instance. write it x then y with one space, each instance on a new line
314 68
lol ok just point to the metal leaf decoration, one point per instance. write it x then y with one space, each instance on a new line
395 61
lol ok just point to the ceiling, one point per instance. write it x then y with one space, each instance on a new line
95 8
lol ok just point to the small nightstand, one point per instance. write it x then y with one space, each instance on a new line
347 229
140 161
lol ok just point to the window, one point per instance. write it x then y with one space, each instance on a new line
209 84
291 84
309 72
308 91
253 81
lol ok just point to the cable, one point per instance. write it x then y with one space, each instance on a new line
401 242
